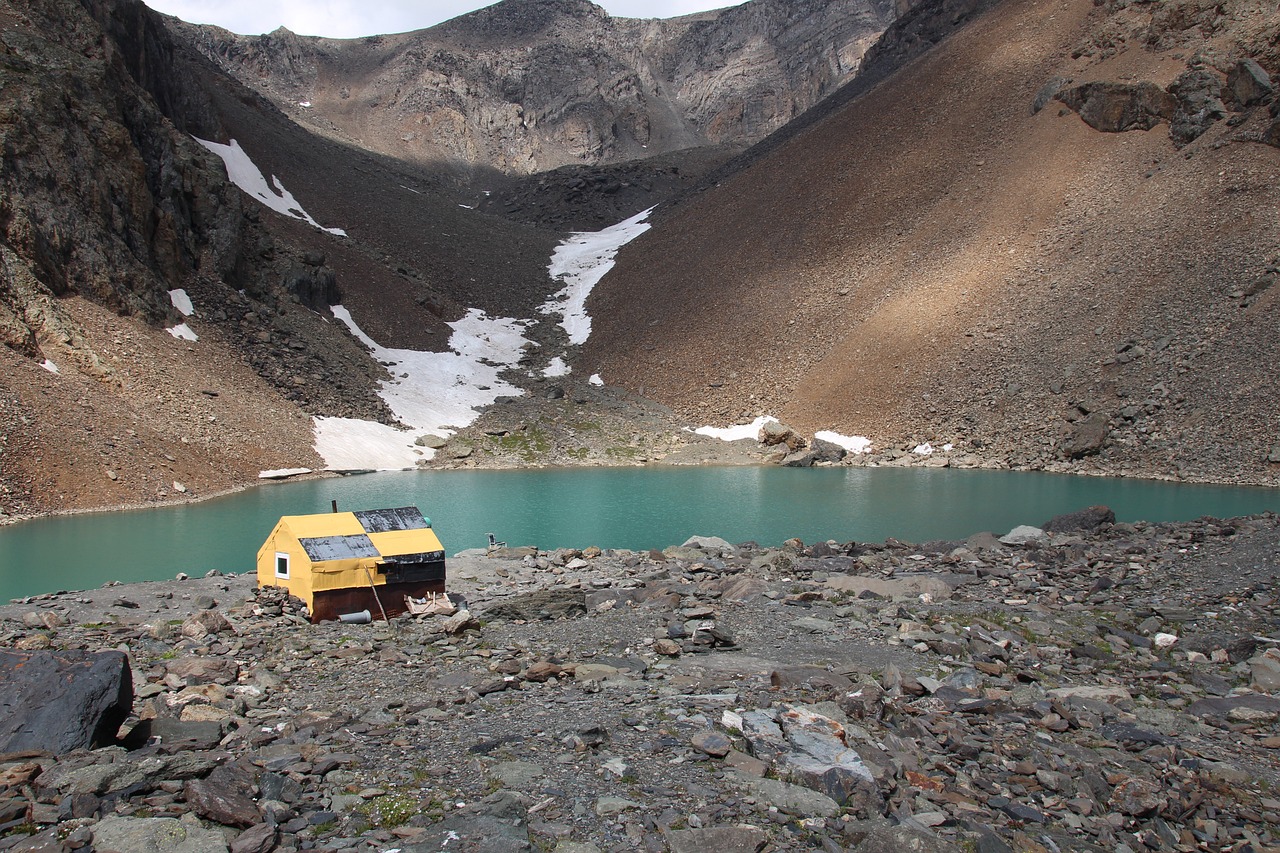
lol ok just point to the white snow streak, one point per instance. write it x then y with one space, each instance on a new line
243 173
580 262
50 366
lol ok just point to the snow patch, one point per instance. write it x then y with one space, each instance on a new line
183 332
282 473
580 262
596 380
348 444
50 366
737 432
856 444
430 392
182 302
243 173
556 367
925 449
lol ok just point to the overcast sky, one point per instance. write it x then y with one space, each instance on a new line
354 18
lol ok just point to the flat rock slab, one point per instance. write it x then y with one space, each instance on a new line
939 585
58 701
1255 705
722 839
155 835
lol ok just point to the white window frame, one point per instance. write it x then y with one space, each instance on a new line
281 556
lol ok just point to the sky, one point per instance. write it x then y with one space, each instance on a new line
355 18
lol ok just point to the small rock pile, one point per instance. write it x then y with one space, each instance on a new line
1081 685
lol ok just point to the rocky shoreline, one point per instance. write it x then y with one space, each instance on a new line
1084 685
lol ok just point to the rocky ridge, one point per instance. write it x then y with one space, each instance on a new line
525 86
1085 685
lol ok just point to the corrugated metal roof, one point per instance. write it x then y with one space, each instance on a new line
382 520
323 548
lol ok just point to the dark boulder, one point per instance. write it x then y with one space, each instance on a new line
1087 437
1117 107
1199 94
1085 520
1249 83
58 701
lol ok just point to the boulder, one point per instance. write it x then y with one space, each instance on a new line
1117 107
62 700
820 759
1047 92
826 451
1087 437
1199 94
1271 136
155 835
774 433
1249 83
724 839
1085 520
1023 534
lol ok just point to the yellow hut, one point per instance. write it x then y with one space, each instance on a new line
346 562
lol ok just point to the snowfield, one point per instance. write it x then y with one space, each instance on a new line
431 393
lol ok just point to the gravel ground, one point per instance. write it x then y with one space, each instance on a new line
1108 688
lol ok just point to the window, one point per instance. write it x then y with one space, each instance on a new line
282 565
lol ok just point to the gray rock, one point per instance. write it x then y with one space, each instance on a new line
1088 437
65 700
813 625
473 833
256 839
155 835
720 839
938 586
774 433
219 801
1086 520
708 543
1117 107
790 799
1249 83
819 758
1199 94
1023 534
1051 87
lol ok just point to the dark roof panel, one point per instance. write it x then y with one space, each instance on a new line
426 557
322 548
382 520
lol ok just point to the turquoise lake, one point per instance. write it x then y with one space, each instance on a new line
634 508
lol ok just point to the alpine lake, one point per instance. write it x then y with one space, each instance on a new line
629 508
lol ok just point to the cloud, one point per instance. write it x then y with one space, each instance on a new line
355 18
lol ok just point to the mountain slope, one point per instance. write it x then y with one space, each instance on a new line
935 261
525 86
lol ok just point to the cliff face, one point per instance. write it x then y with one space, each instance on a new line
524 86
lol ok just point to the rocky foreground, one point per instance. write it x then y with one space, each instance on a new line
1081 686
